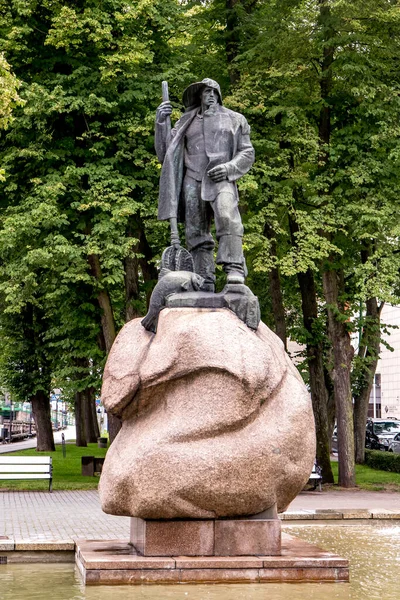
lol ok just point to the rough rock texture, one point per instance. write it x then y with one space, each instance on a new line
216 419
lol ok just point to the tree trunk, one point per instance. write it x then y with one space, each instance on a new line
331 402
275 290
342 351
80 419
90 421
369 350
107 317
149 271
92 397
315 357
42 416
108 328
37 367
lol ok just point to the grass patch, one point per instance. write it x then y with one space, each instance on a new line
66 471
373 479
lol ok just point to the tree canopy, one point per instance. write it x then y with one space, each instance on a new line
79 240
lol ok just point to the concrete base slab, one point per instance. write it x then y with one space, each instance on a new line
107 562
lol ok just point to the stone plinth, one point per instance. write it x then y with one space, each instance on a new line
230 537
108 562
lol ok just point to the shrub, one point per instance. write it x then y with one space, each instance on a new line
385 461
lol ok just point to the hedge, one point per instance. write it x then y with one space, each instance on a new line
385 461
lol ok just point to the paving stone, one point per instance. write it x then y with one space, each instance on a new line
380 513
327 515
351 513
54 546
6 545
62 515
297 516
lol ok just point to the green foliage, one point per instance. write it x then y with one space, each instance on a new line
343 196
384 461
9 93
82 176
351 199
9 97
81 171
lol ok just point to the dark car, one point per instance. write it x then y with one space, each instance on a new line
384 429
372 441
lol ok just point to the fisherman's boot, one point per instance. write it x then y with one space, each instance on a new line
230 255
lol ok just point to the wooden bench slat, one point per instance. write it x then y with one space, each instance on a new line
25 469
27 476
25 460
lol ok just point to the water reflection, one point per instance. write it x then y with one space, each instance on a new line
373 549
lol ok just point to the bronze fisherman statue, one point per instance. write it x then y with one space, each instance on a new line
202 157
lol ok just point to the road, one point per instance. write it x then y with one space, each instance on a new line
31 443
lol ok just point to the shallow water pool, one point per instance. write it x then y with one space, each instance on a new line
373 549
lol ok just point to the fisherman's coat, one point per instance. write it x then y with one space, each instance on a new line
227 141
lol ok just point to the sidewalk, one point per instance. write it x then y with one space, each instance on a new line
31 519
354 498
344 504
69 434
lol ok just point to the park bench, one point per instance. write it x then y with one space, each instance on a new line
27 467
316 477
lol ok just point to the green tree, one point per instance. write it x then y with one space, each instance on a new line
318 82
81 172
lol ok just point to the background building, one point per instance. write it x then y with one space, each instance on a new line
385 396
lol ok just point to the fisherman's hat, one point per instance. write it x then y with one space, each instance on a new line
191 96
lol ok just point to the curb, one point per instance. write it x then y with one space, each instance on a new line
340 514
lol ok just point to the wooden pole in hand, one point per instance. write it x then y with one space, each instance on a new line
174 221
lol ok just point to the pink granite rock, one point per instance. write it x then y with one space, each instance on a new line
216 420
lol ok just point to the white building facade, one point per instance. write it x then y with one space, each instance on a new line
385 396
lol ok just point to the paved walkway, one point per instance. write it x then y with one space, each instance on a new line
346 499
69 434
66 516
57 516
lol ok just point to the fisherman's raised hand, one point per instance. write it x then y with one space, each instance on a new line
164 111
218 173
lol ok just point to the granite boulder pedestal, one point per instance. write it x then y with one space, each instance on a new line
216 420
217 437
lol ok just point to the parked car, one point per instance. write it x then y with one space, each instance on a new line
394 445
384 429
372 441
